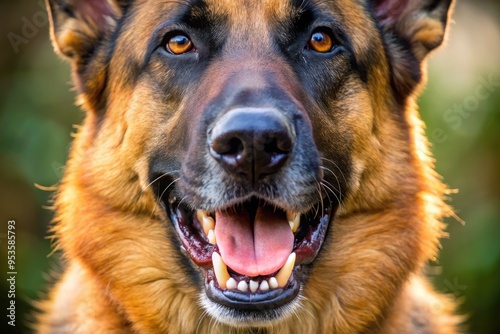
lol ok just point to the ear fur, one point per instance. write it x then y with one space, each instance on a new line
78 28
411 30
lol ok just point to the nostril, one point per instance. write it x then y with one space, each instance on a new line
231 146
278 145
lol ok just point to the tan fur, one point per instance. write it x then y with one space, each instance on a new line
123 274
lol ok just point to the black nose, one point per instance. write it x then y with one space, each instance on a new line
252 142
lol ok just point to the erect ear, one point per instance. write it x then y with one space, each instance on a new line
411 29
77 26
420 23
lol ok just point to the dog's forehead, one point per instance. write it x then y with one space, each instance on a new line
255 13
257 18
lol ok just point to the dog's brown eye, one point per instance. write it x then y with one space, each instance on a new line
179 44
320 42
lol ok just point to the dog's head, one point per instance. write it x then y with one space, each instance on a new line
246 153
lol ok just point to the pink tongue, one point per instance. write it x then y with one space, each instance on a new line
253 248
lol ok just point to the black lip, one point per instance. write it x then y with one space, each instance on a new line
261 301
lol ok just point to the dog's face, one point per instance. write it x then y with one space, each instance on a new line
241 133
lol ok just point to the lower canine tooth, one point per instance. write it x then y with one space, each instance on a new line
243 286
231 284
273 283
220 270
286 271
254 286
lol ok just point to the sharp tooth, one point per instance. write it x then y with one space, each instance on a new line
220 270
231 284
284 274
254 286
205 220
293 220
208 224
243 286
273 283
264 286
211 237
200 214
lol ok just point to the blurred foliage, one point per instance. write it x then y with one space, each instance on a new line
37 113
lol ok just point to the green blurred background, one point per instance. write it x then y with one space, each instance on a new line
460 107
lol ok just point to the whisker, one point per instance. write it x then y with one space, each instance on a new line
178 205
334 194
321 198
158 178
171 183
341 173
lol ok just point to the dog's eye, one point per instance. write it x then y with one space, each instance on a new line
320 42
179 44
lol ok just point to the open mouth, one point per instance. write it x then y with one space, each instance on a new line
252 254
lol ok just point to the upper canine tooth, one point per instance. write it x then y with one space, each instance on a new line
211 237
220 270
200 214
286 271
293 220
207 222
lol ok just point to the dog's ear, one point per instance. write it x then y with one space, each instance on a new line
411 30
77 26
420 23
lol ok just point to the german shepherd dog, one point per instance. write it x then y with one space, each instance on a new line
248 167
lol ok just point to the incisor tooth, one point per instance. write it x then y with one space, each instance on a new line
254 286
273 283
264 286
220 270
293 220
231 284
243 286
284 274
211 237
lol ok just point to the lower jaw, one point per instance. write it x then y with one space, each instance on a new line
263 314
258 301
